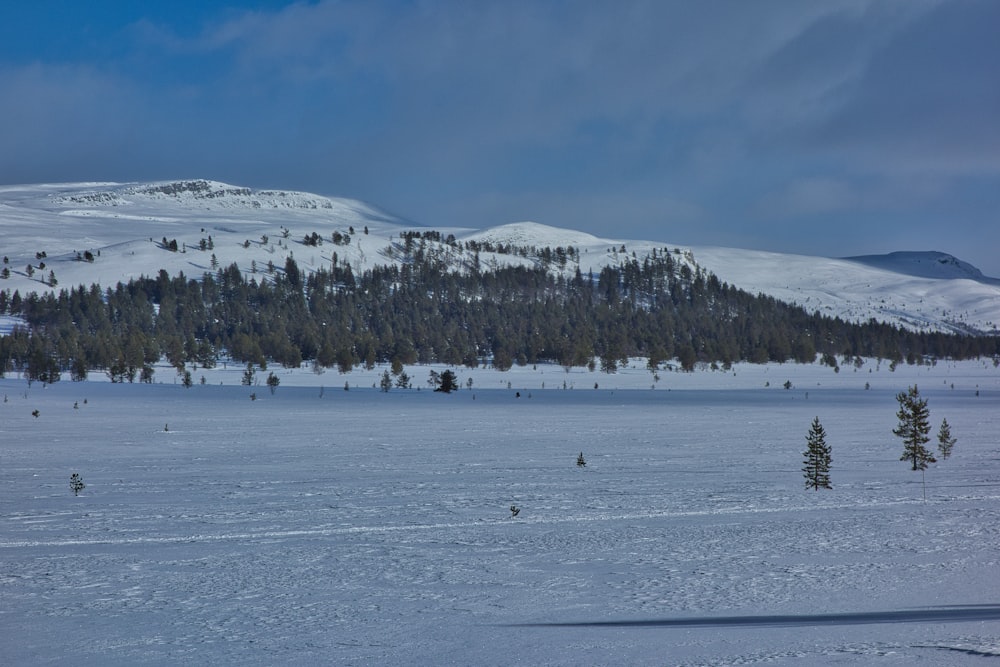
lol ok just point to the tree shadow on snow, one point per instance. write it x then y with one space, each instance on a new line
944 614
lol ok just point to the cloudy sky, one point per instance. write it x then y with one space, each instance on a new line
836 128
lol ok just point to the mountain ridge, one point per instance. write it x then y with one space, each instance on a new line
127 228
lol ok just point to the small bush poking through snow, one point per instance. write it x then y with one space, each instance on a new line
76 483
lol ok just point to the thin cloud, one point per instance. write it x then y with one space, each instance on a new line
725 119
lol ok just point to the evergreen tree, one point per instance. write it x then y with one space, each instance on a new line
945 441
580 461
272 382
448 382
386 381
816 466
914 427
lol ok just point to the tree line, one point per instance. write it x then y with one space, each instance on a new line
423 311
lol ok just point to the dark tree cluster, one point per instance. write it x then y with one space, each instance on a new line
423 311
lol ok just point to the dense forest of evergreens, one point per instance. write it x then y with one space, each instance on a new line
424 311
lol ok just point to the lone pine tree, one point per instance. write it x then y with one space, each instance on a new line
816 466
448 382
914 427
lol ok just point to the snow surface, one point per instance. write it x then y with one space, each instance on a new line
123 226
323 526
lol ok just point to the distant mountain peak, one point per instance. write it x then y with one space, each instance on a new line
924 264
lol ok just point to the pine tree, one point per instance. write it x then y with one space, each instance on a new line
386 382
914 426
448 382
816 466
580 461
945 441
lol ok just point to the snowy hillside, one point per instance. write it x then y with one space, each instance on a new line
86 233
894 288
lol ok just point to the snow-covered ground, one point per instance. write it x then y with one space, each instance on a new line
323 526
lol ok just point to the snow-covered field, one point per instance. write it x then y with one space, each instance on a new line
323 526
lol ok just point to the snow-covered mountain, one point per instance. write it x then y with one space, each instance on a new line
128 230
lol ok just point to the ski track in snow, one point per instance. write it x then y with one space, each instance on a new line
368 528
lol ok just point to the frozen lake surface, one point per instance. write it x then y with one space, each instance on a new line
323 526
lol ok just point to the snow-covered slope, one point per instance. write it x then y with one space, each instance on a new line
888 289
123 227
53 227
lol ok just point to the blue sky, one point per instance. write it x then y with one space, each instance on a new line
836 128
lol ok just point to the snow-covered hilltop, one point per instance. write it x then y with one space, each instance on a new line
84 233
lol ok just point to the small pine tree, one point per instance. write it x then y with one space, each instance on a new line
580 461
914 427
272 382
248 375
945 441
76 484
816 466
386 382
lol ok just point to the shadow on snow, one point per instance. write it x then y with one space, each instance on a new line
945 614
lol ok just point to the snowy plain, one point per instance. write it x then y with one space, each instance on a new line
322 526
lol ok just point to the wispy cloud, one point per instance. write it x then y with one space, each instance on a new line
728 115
